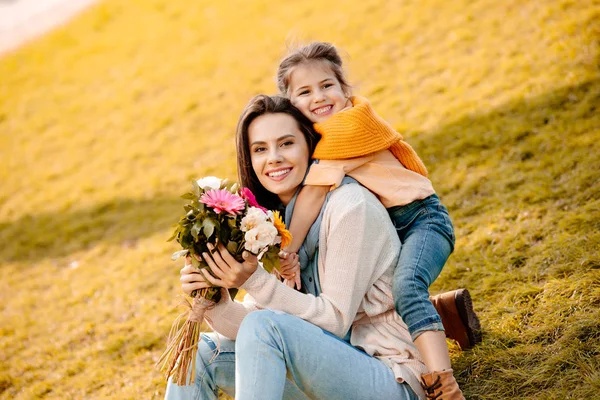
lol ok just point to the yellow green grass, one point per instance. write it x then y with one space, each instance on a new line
104 122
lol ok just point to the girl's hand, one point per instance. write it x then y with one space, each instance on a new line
289 269
228 273
191 279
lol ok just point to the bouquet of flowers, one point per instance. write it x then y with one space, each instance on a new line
217 213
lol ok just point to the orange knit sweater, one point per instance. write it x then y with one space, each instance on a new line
358 131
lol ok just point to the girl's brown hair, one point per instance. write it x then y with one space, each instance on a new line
315 52
261 105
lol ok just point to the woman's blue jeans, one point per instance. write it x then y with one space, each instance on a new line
280 356
427 237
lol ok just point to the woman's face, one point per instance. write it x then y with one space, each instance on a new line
279 154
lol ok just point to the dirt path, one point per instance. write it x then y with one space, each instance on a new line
22 20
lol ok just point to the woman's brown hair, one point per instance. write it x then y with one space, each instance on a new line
260 105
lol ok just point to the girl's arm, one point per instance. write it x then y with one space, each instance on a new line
307 209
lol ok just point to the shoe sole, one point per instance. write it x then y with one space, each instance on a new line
464 306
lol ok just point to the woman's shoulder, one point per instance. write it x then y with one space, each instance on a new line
353 197
354 215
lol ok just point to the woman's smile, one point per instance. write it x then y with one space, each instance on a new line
279 174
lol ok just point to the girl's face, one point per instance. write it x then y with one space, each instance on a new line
316 92
279 154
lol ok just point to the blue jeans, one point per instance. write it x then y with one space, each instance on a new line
427 237
280 356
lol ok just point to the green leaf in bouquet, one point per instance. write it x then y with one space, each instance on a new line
188 196
208 227
232 247
195 231
175 233
232 222
196 190
180 253
270 259
236 235
173 236
186 240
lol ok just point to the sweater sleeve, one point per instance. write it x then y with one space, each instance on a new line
331 172
226 317
354 252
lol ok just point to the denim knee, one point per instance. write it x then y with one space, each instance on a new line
258 325
407 292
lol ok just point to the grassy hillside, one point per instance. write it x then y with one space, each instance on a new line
104 121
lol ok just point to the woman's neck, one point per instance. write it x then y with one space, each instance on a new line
285 200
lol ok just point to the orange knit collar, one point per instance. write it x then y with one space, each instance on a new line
354 132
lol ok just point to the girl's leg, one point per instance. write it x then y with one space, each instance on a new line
214 373
427 241
272 345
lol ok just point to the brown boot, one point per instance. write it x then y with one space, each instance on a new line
458 317
441 385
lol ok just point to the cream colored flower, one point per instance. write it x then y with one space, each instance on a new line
254 217
260 237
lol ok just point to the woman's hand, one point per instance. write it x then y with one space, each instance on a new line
289 269
191 279
228 273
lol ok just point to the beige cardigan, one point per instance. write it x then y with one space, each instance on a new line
358 250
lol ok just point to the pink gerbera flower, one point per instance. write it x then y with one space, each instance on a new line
223 200
249 197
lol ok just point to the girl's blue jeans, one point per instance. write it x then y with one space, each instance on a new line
427 237
279 356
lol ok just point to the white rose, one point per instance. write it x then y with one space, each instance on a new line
260 237
253 218
209 182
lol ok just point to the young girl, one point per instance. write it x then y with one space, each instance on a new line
358 143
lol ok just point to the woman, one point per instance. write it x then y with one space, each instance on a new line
342 339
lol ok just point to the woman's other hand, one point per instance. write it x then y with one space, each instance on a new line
226 271
289 269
